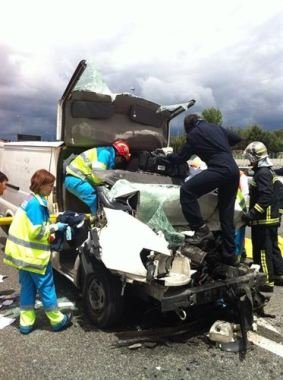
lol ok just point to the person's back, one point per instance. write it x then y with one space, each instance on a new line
212 144
81 174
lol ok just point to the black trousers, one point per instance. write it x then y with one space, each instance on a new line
266 251
202 183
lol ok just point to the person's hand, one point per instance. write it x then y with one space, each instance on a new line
61 226
58 227
247 217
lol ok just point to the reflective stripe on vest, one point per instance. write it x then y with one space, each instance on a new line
24 265
241 200
24 252
81 167
27 244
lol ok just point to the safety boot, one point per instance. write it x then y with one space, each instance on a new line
266 288
201 234
231 260
64 324
277 279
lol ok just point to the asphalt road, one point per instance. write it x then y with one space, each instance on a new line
83 352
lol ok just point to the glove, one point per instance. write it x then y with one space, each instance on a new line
247 217
58 227
61 226
158 152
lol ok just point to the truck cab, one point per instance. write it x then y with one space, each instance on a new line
136 238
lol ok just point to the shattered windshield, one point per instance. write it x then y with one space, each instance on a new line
91 80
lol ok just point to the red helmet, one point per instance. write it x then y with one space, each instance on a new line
122 149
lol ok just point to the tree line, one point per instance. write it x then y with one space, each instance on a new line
254 132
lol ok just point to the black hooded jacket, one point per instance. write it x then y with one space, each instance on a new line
212 144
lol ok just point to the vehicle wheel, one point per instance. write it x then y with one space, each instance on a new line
102 296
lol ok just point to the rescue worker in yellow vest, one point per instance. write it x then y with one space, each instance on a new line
28 250
80 179
263 215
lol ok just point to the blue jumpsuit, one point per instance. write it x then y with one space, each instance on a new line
81 183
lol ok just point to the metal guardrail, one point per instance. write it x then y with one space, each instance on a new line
277 162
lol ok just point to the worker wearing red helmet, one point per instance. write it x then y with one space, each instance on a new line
81 174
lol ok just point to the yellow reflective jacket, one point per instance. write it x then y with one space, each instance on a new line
96 158
27 246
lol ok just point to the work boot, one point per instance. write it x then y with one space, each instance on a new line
277 279
232 260
201 234
64 324
266 288
26 329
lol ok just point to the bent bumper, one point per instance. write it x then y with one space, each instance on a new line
174 299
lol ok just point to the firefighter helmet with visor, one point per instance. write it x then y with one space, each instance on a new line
255 152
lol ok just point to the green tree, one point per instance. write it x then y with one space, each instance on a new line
212 115
177 142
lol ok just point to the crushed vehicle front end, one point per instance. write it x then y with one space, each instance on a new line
137 237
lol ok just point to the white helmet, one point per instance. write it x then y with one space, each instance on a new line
255 152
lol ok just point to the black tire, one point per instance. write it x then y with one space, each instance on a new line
102 297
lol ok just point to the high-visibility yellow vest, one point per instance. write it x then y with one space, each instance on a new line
27 245
81 166
241 200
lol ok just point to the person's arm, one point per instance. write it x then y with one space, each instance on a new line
233 138
103 161
184 155
265 192
278 171
38 228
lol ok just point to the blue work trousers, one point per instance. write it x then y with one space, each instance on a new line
82 190
31 283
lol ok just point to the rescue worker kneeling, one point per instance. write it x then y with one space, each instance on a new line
80 179
28 250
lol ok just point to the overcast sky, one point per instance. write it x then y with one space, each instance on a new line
224 54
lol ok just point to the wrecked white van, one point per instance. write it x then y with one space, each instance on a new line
137 236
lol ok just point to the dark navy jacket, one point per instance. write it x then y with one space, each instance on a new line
212 144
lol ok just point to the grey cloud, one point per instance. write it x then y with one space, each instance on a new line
244 81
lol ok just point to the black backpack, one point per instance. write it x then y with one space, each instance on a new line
155 162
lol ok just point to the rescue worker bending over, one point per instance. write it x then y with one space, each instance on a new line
80 179
212 144
263 215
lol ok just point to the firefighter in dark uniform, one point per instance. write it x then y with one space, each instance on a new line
212 143
264 216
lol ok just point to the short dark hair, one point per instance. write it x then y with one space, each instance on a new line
3 177
190 121
40 178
